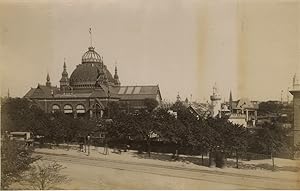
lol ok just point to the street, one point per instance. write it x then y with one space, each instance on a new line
91 173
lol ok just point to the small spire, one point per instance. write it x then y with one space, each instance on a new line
116 73
230 96
65 67
215 89
8 95
65 73
116 77
48 83
178 96
48 77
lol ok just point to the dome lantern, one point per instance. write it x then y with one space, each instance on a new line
91 56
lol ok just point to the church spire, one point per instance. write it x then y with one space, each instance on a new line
48 83
230 100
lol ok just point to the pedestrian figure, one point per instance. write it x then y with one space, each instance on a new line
106 149
81 147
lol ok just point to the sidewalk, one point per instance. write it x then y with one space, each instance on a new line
287 169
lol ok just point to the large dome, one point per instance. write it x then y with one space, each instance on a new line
91 56
85 75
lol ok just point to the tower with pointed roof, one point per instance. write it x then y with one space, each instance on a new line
116 77
48 83
64 81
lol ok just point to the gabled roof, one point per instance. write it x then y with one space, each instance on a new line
200 109
41 92
244 103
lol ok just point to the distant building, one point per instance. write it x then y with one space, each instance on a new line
244 112
200 110
89 89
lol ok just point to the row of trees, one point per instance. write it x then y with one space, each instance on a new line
212 135
184 132
19 114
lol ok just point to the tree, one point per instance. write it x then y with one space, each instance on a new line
150 104
43 176
272 138
144 128
270 107
237 141
205 138
178 106
15 159
229 137
112 110
169 129
121 128
20 114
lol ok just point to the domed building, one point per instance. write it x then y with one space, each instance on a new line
89 89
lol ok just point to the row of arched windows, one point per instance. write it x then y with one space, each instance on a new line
69 109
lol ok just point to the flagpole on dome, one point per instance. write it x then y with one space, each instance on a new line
91 38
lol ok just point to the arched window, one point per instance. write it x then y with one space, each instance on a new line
68 109
55 108
80 109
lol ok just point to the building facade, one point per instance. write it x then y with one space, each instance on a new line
243 112
296 105
89 89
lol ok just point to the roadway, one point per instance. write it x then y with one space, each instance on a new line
99 173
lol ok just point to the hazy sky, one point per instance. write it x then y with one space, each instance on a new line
185 46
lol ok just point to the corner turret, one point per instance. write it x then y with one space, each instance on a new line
64 81
116 77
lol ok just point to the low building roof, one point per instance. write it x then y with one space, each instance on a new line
121 92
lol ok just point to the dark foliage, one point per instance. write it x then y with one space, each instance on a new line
15 159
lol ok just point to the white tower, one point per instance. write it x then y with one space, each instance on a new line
215 102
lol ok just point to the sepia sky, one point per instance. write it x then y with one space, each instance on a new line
185 46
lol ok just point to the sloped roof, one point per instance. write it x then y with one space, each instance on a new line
41 91
137 92
29 93
99 93
200 109
123 92
244 103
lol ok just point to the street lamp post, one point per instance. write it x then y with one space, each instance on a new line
88 139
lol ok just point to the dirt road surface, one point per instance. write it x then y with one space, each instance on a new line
96 173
